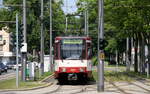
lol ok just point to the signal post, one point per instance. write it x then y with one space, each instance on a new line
100 84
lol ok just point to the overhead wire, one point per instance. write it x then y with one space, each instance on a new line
70 9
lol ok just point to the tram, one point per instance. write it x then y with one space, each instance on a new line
72 58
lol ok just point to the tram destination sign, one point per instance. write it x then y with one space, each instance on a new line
72 41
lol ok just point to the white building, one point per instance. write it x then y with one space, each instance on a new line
6 54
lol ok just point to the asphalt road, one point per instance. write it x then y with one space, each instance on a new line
10 74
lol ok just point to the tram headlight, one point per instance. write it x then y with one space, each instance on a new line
63 69
81 70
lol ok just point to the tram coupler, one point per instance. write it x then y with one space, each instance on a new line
72 76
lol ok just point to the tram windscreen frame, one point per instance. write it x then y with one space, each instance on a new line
72 49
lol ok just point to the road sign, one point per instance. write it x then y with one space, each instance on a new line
24 48
102 56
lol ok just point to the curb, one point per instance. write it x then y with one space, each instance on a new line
34 88
47 78
26 89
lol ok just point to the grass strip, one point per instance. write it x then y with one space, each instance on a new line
11 83
121 76
114 76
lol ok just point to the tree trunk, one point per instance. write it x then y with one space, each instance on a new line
136 56
132 52
149 54
127 55
143 56
139 68
116 57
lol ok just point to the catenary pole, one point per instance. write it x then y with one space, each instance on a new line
51 62
66 24
24 55
100 84
127 55
66 16
42 41
17 70
85 22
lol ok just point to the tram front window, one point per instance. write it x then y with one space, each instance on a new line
72 50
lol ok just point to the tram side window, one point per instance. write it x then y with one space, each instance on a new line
89 51
83 54
56 51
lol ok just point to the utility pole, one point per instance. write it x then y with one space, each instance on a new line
42 41
100 85
17 70
127 55
24 55
50 7
86 22
116 60
66 16
66 23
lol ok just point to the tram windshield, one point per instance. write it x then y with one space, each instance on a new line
72 49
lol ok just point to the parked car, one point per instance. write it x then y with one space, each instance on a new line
10 65
0 71
3 67
15 66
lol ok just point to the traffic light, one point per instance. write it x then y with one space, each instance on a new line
102 44
20 35
13 39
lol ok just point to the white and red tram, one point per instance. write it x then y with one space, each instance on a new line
72 58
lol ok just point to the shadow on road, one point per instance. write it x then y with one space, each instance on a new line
77 82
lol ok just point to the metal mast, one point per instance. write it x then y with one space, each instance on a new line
50 6
42 41
100 85
86 22
24 55
17 70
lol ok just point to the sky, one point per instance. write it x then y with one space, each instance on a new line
69 6
0 3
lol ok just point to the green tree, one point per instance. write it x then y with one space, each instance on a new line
33 20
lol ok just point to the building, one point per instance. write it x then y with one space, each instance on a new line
6 54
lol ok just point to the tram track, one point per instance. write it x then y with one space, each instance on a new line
72 87
7 76
69 88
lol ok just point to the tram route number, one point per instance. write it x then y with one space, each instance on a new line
102 56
